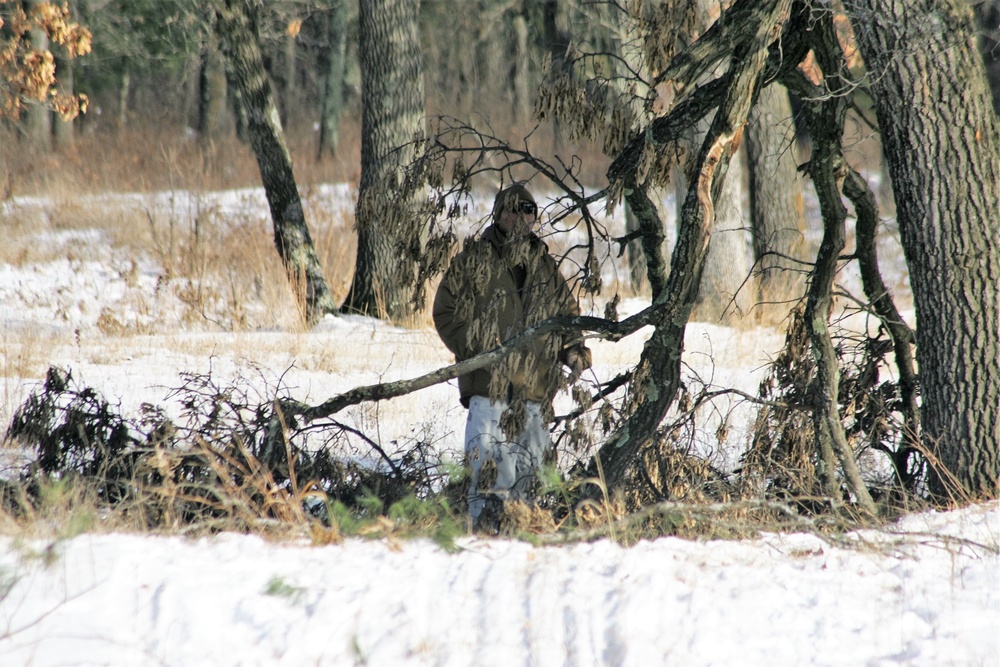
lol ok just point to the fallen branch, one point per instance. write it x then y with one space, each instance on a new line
603 328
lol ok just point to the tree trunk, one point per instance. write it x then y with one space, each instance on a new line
333 63
391 236
727 291
522 74
825 114
212 107
124 84
637 272
725 294
237 31
941 139
777 212
903 339
647 253
492 56
642 213
989 43
557 41
63 130
37 117
287 78
657 377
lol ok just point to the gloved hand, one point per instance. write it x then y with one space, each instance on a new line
578 358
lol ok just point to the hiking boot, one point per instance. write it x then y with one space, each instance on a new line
489 519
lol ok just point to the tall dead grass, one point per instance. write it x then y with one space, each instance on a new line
153 156
220 268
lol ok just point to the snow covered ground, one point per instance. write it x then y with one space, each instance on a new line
924 592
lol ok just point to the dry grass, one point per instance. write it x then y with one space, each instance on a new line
210 269
157 157
223 269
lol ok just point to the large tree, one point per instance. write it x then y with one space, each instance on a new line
391 235
942 145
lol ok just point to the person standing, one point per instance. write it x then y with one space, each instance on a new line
498 285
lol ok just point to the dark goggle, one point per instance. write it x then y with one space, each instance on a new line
525 207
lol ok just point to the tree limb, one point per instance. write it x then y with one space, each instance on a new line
825 116
903 338
605 329
657 376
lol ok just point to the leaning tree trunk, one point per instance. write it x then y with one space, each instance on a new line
657 376
777 212
390 234
237 32
942 142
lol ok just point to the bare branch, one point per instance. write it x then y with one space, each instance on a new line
605 329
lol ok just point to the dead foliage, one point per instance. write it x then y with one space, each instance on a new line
781 461
229 461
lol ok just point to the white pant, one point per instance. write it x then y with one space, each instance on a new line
517 461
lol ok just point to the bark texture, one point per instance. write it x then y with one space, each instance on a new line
989 43
390 234
942 144
238 37
777 211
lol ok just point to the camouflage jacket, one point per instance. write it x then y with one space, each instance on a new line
492 291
